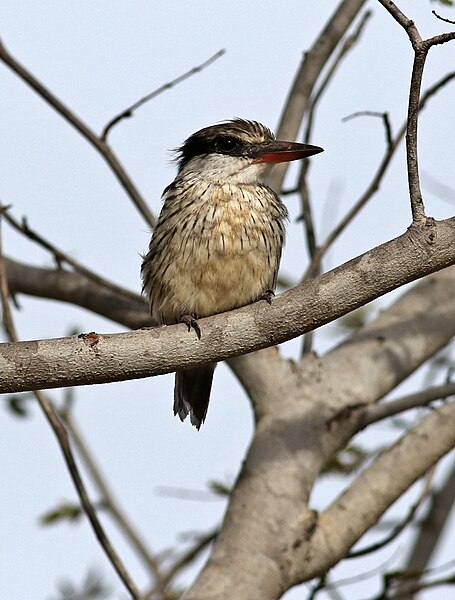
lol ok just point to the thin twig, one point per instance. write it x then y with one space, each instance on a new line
64 443
302 186
363 576
442 18
348 45
128 112
431 527
183 561
378 412
61 257
107 497
407 583
444 192
415 192
373 187
371 113
421 48
325 585
309 70
101 146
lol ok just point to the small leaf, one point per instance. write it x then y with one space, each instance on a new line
346 461
219 488
17 406
66 511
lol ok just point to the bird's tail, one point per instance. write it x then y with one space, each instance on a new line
192 393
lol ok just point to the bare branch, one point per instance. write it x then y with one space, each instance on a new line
414 583
421 48
376 488
101 146
385 119
378 412
64 443
313 62
108 501
373 187
128 112
430 530
302 186
418 252
62 257
77 289
347 46
407 24
442 18
185 560
401 526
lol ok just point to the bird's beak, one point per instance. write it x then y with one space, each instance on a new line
277 152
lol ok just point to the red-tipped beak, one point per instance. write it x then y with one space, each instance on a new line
277 152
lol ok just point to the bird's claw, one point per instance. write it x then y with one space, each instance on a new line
268 296
191 322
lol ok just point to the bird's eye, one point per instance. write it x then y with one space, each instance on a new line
227 144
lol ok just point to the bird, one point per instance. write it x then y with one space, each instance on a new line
218 240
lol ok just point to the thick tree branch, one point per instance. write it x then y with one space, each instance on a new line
304 414
371 494
66 286
81 361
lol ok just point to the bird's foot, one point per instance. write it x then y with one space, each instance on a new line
191 322
268 296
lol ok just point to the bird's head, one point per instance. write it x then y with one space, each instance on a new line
237 151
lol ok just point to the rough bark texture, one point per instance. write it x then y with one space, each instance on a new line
304 416
71 361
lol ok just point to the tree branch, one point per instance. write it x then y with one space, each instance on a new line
63 440
74 288
401 526
373 187
374 490
61 257
430 531
421 48
298 429
128 112
101 146
302 187
418 252
378 412
108 500
313 62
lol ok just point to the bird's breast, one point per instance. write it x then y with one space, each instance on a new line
216 247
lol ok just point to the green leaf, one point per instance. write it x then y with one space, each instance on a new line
444 2
219 488
17 406
66 511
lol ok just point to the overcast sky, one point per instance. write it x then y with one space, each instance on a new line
99 57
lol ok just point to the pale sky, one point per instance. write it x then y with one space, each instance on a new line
99 57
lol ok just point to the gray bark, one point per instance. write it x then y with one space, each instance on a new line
72 361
